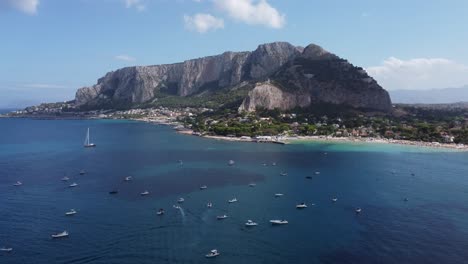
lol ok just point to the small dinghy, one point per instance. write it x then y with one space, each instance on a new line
278 194
209 205
231 163
213 253
301 206
144 193
283 174
273 164
358 210
334 199
82 172
251 223
317 172
160 212
309 177
221 217
6 249
180 200
128 178
264 164
252 184
71 212
176 207
203 187
60 235
18 183
114 192
233 200
278 222
65 178
73 185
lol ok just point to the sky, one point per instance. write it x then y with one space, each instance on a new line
49 48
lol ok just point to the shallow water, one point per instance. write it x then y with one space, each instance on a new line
431 227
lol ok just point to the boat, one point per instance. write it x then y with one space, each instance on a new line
317 172
73 185
233 200
283 174
114 192
180 200
358 210
65 178
5 249
278 194
71 212
176 207
82 172
60 235
334 200
251 223
273 164
203 187
144 193
252 184
264 164
309 177
18 183
160 212
406 199
180 162
301 206
278 222
209 205
221 217
231 163
128 178
87 143
213 253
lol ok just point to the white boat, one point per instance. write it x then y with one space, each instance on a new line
180 200
5 249
144 193
203 187
273 164
317 172
18 183
278 222
233 200
301 206
283 174
213 253
251 223
65 178
334 199
82 172
252 184
221 217
160 212
209 205
128 178
71 212
278 194
73 185
264 164
60 235
87 143
231 163
358 210
176 207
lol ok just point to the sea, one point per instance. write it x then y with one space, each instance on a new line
413 200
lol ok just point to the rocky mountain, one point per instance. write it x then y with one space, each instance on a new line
432 96
280 76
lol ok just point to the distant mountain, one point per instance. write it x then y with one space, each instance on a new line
275 75
434 96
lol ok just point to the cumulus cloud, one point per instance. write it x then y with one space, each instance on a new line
419 73
125 57
25 6
252 12
138 4
203 23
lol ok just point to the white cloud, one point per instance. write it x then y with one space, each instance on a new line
419 74
44 86
125 57
138 4
25 6
203 23
252 12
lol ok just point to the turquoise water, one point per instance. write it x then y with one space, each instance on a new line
431 227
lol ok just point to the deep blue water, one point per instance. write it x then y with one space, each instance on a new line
431 227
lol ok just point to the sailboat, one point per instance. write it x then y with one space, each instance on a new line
87 143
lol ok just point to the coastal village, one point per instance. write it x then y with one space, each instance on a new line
280 128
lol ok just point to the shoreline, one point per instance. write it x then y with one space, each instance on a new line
279 140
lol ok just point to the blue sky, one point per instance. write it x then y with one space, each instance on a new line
49 48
